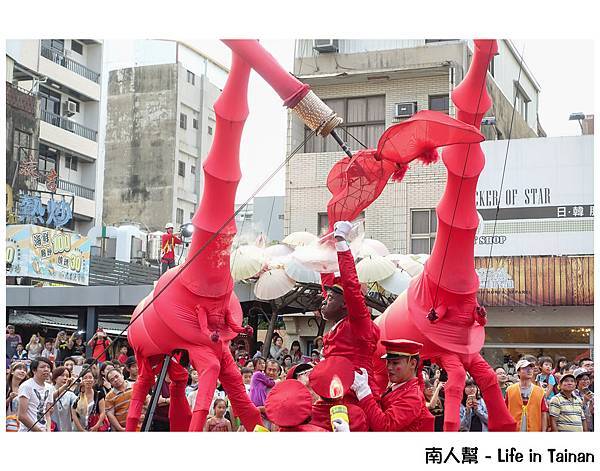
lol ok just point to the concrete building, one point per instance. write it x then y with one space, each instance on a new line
374 84
264 215
159 126
62 77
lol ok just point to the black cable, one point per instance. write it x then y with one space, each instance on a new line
270 217
512 118
353 137
184 266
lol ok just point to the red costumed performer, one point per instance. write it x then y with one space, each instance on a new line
440 308
403 407
289 406
197 309
353 336
331 380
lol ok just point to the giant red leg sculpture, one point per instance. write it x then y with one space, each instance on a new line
197 309
440 307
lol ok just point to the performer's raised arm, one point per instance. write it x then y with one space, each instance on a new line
358 312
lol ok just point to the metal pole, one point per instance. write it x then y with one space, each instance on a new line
155 395
342 144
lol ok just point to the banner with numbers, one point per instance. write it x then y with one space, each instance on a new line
47 254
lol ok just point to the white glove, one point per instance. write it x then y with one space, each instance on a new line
340 425
342 229
361 384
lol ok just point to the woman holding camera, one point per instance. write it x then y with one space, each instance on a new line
99 344
34 347
75 344
473 412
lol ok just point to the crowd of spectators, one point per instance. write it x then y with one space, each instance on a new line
43 392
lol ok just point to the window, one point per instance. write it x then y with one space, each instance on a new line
195 123
491 67
193 170
182 121
322 224
47 158
191 78
56 44
210 130
423 229
76 47
49 101
71 162
22 145
364 118
439 103
179 216
181 169
521 101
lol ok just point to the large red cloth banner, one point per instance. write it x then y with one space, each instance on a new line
355 183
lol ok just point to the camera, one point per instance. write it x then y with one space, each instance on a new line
443 375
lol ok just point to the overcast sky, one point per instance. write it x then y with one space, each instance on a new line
566 86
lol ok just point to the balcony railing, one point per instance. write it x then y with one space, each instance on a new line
74 188
60 59
77 190
108 271
68 125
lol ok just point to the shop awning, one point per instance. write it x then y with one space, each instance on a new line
59 322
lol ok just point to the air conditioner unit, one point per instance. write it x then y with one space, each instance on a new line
326 45
404 110
70 108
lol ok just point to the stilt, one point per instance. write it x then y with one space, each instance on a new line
155 395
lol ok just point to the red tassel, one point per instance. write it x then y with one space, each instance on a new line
429 156
398 175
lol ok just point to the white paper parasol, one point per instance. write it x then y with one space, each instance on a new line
397 283
245 262
273 284
373 247
296 271
407 263
374 268
298 239
276 254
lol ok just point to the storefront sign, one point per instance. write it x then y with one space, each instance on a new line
58 211
544 202
536 281
48 254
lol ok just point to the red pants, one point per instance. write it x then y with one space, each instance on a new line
455 364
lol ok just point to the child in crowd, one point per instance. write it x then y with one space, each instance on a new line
545 379
218 423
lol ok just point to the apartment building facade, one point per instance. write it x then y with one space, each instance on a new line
373 84
61 149
160 125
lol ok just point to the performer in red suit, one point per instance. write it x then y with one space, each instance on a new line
331 379
354 335
403 406
167 248
289 406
